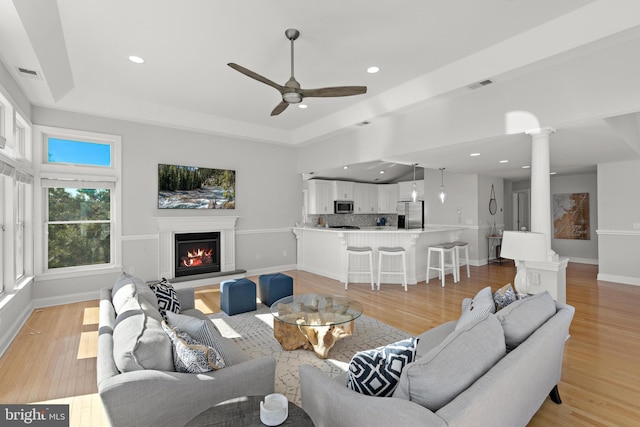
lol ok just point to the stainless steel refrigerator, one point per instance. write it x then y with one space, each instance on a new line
410 214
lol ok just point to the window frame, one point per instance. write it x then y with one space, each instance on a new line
83 176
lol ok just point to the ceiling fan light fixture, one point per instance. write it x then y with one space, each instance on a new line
292 97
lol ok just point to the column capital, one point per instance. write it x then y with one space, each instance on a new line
541 131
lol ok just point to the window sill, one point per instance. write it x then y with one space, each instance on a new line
80 272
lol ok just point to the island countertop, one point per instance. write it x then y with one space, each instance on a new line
322 250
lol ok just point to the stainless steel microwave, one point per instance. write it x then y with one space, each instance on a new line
343 206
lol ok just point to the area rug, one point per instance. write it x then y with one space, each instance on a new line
253 333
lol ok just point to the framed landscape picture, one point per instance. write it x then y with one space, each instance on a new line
192 187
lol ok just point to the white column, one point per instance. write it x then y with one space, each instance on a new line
541 185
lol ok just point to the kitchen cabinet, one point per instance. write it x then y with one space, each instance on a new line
365 198
320 195
342 190
405 188
388 198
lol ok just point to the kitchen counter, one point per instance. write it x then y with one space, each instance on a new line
322 250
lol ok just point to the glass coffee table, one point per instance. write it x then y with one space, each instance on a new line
313 322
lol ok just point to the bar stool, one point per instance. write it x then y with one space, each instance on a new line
392 251
462 246
443 250
359 251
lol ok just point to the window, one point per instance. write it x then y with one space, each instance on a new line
79 180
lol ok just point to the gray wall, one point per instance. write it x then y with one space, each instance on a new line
618 211
268 195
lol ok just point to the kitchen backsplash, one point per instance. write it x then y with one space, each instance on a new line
360 220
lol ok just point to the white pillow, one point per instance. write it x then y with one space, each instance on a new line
480 305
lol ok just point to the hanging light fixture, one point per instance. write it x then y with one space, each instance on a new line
442 195
414 187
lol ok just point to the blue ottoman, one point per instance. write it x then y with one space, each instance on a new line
237 296
274 287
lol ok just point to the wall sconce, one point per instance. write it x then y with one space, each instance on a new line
442 195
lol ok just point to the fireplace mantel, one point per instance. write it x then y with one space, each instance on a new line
168 227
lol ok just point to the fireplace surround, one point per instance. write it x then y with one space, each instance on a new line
169 227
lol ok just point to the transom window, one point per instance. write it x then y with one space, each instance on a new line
65 151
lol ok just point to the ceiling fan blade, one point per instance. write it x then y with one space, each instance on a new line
334 91
280 108
257 77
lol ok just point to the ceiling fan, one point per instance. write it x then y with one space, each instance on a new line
291 92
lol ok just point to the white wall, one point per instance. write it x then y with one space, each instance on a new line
582 251
618 211
268 196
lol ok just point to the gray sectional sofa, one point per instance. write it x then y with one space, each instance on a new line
495 371
135 374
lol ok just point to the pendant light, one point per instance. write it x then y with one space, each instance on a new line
443 194
414 187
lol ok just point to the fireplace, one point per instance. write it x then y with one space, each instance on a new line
197 253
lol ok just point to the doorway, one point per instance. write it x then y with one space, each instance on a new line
522 210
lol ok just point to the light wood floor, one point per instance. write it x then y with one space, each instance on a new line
53 358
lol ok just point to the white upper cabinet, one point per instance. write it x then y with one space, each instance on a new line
365 198
320 196
388 198
342 190
406 187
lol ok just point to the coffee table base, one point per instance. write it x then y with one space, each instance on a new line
319 338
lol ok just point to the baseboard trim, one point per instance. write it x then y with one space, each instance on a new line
619 279
13 330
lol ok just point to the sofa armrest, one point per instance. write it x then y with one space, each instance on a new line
465 303
154 398
187 298
332 404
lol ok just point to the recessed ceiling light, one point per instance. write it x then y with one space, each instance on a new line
303 106
503 161
526 167
381 172
474 154
552 173
345 167
373 70
136 59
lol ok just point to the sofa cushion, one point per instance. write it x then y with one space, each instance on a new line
377 372
450 368
166 296
139 341
521 318
481 304
206 332
191 356
504 296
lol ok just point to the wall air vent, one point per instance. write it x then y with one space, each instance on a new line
480 84
31 74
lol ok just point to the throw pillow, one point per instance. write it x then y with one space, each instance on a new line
377 372
436 378
504 296
203 331
189 355
167 297
480 305
521 318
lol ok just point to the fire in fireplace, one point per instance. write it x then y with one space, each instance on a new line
197 253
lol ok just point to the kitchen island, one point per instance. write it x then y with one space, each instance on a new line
323 250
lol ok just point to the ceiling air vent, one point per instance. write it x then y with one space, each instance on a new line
32 74
480 84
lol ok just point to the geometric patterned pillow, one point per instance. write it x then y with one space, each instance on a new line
167 297
377 372
189 355
203 331
504 296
